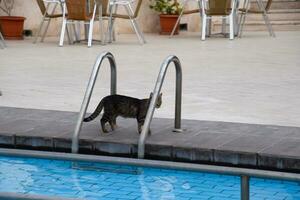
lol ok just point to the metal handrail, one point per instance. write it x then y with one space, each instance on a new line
156 91
89 90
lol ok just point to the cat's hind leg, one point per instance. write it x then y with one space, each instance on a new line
113 123
103 121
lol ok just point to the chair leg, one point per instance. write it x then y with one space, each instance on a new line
208 26
39 30
90 38
110 24
45 31
101 28
265 17
223 25
2 42
179 17
135 25
76 35
268 23
62 33
246 5
204 20
242 24
49 20
91 27
231 27
113 31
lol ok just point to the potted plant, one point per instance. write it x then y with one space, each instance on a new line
169 11
11 26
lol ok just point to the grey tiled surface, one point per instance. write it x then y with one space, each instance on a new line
261 146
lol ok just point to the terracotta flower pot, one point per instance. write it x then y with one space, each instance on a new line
167 22
12 27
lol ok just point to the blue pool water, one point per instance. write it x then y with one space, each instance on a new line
107 181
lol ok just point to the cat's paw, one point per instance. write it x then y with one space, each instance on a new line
105 131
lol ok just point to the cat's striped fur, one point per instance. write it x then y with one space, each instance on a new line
119 105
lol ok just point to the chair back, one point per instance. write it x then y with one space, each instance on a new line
218 7
268 5
77 9
42 7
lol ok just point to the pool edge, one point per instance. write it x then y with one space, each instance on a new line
154 163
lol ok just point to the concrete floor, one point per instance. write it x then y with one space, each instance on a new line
255 79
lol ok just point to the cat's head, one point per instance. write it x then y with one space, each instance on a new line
159 100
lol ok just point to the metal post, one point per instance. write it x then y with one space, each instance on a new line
245 194
156 91
89 90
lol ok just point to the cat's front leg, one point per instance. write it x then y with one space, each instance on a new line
140 128
112 125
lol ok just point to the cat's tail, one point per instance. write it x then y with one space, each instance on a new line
95 113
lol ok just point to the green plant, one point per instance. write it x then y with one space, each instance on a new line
7 6
166 7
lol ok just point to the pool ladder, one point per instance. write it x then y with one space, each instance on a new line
113 90
245 177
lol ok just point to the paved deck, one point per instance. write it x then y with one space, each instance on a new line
255 79
237 144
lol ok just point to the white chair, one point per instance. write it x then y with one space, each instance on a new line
77 11
218 8
46 16
131 15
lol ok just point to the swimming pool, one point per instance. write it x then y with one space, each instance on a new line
92 180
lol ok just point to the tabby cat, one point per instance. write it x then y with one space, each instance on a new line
118 105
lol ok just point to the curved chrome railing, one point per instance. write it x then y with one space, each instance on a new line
156 91
89 90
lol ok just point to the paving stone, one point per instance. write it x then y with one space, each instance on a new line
18 126
235 158
158 151
113 148
7 141
286 147
194 155
34 142
272 161
249 143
